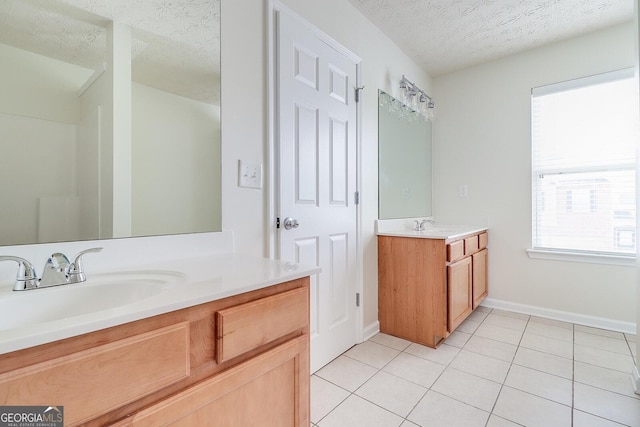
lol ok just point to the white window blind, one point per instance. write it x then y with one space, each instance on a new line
584 136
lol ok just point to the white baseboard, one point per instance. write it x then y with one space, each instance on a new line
635 379
370 330
566 316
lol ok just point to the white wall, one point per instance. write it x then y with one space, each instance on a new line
482 139
244 115
118 72
95 186
185 134
39 152
33 85
38 112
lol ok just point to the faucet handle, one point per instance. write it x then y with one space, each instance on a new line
76 269
26 277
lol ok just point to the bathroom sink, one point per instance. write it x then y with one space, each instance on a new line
99 292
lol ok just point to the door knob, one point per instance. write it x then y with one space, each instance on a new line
290 223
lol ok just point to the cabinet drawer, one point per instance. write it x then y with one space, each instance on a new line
95 381
455 251
247 326
470 245
271 389
483 240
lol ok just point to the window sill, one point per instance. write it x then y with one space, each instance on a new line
626 261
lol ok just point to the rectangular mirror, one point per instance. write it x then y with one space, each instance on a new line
405 154
109 119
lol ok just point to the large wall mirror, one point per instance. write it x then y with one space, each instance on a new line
109 119
405 156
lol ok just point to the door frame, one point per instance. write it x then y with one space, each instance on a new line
274 6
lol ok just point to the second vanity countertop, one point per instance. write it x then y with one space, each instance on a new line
190 282
446 232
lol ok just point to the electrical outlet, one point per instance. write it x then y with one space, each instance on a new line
406 193
249 175
463 190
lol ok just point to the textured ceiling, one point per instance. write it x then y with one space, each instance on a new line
176 45
176 42
447 35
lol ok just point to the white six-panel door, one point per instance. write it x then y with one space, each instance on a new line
316 162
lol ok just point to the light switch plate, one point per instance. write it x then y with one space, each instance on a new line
249 175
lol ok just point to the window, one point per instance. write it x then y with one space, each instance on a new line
584 134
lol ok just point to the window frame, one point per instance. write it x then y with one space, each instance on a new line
538 252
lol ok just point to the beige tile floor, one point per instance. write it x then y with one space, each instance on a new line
498 369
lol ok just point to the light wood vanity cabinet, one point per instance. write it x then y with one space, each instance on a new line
427 287
238 361
480 286
257 392
459 292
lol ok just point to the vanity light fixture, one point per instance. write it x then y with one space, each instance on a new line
416 99
414 103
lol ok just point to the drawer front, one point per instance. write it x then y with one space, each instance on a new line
483 240
455 251
247 326
271 389
95 381
470 245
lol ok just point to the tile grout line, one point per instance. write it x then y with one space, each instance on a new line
502 385
507 375
428 388
573 382
353 393
405 418
457 354
630 350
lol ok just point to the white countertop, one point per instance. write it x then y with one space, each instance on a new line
198 280
445 232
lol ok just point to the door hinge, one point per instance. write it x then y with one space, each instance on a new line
357 299
356 197
278 222
358 89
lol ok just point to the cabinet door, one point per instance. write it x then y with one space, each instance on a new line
459 280
271 389
480 287
122 368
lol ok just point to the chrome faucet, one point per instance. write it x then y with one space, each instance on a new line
57 271
420 224
26 277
